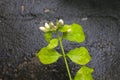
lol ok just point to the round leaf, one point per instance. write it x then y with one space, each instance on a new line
53 43
79 55
76 34
48 56
84 74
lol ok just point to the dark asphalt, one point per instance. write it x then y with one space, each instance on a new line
20 37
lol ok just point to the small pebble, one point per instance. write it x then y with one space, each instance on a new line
84 19
46 10
9 64
22 8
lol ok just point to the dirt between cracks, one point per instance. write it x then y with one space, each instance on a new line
20 37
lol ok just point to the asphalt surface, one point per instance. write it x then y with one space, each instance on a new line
20 37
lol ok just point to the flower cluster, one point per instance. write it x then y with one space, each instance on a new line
51 27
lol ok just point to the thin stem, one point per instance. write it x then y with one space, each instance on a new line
64 56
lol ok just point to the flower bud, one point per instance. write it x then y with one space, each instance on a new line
43 29
61 22
47 26
51 24
55 27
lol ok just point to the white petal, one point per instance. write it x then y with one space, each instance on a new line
51 24
43 29
47 26
61 21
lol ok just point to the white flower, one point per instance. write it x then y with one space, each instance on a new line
47 26
61 22
43 29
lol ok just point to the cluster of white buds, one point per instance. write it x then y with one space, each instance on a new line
51 27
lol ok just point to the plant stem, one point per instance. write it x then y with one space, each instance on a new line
64 56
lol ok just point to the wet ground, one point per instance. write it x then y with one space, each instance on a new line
20 37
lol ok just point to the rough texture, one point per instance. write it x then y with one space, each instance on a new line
20 37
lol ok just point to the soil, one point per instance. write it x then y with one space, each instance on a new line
20 37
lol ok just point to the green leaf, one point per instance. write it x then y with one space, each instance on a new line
76 34
79 55
64 28
48 36
48 56
84 74
53 43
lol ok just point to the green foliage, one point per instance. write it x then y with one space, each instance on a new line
65 28
53 43
48 56
48 36
84 74
76 34
80 56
